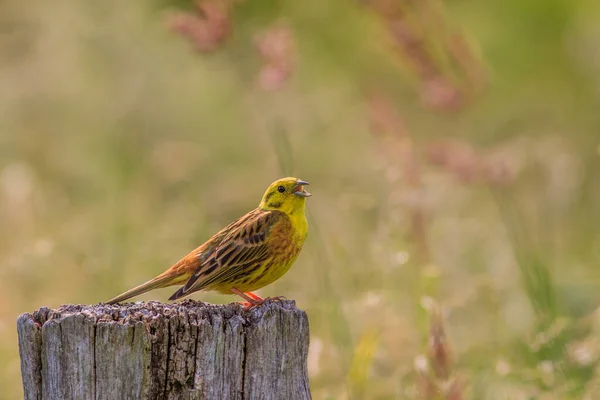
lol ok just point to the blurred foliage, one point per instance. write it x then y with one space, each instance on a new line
453 150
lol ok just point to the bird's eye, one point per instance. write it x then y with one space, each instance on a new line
281 189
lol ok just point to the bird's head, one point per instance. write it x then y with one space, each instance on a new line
286 195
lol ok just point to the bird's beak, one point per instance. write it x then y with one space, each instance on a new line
299 189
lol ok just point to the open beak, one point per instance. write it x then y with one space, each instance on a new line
299 189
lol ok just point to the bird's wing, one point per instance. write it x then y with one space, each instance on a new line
244 246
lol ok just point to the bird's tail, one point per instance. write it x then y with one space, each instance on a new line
160 281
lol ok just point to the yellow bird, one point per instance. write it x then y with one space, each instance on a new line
251 252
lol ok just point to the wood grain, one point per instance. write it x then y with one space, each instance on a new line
187 350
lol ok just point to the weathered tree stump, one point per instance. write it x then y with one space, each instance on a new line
187 350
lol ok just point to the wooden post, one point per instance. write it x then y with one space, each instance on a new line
187 350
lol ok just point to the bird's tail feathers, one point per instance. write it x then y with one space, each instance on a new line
158 282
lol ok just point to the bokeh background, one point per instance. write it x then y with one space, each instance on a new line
452 149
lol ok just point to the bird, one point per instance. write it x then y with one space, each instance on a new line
251 252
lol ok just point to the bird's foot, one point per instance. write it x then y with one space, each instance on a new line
245 305
249 305
254 300
255 303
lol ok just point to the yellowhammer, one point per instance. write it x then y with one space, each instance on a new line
251 252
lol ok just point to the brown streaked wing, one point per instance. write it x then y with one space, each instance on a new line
246 244
197 259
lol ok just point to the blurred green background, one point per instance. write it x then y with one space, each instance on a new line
453 150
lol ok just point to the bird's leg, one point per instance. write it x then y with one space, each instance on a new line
254 296
249 296
252 300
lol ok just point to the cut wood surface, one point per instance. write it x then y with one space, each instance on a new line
187 350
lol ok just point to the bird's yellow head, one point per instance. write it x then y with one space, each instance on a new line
286 195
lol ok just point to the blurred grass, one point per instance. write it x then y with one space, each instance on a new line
121 149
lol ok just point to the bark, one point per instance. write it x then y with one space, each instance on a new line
187 350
